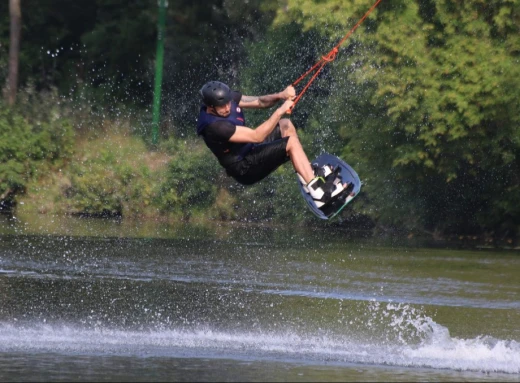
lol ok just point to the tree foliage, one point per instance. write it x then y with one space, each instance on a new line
433 120
30 146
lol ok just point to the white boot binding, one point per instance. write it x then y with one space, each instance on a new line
316 191
327 186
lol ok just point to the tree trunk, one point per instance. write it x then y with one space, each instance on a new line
14 50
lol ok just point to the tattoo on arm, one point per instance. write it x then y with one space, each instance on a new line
249 98
260 101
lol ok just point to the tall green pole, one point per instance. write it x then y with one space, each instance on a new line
158 70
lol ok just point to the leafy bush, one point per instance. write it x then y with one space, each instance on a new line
110 176
191 181
28 147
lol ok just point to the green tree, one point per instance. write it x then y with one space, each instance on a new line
432 120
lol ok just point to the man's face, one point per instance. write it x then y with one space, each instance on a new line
223 110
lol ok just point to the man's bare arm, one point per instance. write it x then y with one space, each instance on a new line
244 134
267 101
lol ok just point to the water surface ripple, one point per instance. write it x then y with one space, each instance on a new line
344 309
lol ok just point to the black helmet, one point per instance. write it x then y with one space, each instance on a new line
215 93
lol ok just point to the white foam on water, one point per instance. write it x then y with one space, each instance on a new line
436 350
390 334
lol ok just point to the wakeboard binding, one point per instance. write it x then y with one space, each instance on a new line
327 188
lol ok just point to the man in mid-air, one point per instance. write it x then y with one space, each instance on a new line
248 154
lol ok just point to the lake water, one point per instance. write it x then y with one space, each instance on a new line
99 300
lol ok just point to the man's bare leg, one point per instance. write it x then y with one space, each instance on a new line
295 151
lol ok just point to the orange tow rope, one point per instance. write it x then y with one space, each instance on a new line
327 58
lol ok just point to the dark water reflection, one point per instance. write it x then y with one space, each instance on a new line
249 302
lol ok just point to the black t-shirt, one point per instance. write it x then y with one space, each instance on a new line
217 135
221 131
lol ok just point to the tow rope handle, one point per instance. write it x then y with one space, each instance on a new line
329 57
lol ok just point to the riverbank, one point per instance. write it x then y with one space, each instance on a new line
215 230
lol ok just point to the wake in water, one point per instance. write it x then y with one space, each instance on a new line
401 336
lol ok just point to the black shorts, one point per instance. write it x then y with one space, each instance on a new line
262 160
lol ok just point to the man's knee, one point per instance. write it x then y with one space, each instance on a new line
287 127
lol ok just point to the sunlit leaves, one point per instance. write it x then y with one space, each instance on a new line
443 79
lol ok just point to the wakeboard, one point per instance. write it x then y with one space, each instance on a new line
347 175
